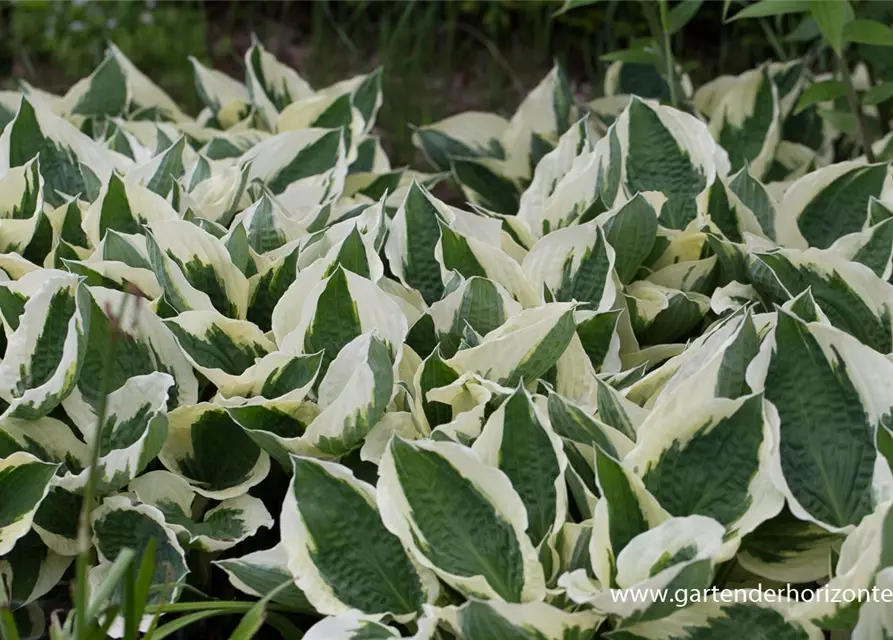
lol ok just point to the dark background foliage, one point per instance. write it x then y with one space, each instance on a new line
439 58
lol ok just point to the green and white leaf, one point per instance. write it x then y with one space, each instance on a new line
494 620
144 346
132 434
221 528
519 440
524 348
339 574
195 269
24 483
827 466
259 572
747 122
207 448
353 396
459 517
45 353
222 349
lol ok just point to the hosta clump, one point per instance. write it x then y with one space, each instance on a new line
652 352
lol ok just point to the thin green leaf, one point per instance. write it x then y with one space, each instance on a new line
682 13
110 583
832 17
8 628
868 32
184 621
635 56
573 4
820 92
253 620
880 93
772 8
843 120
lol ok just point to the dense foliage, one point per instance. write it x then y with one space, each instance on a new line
652 352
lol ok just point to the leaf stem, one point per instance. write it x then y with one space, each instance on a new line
855 107
81 586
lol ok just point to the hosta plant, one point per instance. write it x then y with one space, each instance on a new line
650 355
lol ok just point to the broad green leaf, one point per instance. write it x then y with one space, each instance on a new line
338 573
631 230
46 438
547 204
661 315
269 285
853 297
832 18
320 313
460 518
787 549
218 91
56 520
668 151
103 93
682 13
162 173
124 207
308 163
143 346
460 251
478 304
485 184
824 205
572 422
414 234
21 204
146 99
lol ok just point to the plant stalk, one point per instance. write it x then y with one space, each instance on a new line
855 107
81 587
661 37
